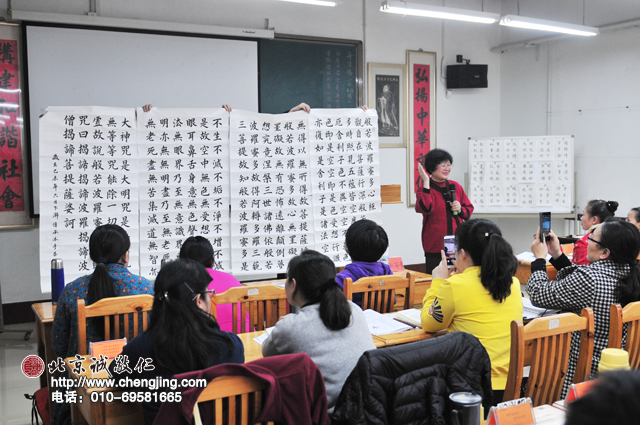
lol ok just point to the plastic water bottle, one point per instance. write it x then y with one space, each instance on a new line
57 279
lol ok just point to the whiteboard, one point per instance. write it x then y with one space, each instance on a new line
521 174
71 67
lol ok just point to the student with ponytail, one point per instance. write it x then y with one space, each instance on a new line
481 298
182 336
612 276
109 249
594 214
330 329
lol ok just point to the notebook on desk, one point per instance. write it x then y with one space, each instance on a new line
411 317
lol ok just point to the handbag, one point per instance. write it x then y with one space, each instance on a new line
40 406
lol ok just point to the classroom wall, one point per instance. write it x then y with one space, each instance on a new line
593 95
386 37
514 104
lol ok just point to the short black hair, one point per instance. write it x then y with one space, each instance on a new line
636 211
614 399
366 241
199 249
434 158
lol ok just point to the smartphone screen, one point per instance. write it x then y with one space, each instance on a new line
450 249
545 224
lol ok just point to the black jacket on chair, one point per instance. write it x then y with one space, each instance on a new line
411 383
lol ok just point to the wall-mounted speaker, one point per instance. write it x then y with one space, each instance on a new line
467 76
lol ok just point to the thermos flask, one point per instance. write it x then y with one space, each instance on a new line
57 279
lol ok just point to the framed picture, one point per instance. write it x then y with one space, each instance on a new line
15 176
421 77
387 91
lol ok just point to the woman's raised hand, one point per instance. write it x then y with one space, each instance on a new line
424 176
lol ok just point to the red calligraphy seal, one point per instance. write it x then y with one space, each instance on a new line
32 366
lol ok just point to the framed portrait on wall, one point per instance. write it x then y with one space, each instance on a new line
421 78
15 180
387 91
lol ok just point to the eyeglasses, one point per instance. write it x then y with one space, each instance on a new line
598 242
444 165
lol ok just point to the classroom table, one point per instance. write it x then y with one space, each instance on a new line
44 323
524 271
102 412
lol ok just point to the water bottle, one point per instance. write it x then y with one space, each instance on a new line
57 279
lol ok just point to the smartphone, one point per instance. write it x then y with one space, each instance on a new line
545 225
450 249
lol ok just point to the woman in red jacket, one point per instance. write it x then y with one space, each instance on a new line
595 213
441 211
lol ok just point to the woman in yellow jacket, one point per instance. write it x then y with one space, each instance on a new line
481 296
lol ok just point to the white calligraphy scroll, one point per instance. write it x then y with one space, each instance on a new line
345 169
271 215
184 183
88 177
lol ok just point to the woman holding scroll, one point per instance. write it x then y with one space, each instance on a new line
442 203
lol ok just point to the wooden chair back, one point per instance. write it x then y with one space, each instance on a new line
115 311
544 344
236 400
630 315
265 305
567 249
379 292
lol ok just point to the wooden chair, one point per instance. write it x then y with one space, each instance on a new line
379 292
630 315
544 345
567 249
234 397
116 309
265 305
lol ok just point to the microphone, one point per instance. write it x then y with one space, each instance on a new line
452 189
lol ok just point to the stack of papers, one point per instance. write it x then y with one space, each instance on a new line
529 311
529 257
262 338
383 324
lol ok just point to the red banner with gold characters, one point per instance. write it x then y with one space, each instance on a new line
421 119
11 170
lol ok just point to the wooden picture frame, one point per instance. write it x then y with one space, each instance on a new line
15 171
421 95
387 91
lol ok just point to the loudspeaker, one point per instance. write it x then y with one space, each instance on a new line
467 76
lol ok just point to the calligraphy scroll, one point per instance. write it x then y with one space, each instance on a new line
184 183
345 168
88 177
11 170
271 216
421 75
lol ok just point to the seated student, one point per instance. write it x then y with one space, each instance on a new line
365 242
612 277
109 249
595 213
182 336
328 328
614 399
634 217
199 249
481 298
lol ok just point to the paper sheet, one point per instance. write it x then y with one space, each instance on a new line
383 324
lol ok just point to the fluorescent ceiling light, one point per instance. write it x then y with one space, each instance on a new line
315 2
544 25
404 8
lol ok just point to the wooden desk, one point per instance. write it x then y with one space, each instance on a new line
524 271
413 335
45 312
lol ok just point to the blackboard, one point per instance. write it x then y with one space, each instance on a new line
324 73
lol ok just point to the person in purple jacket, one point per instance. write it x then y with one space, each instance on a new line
365 242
